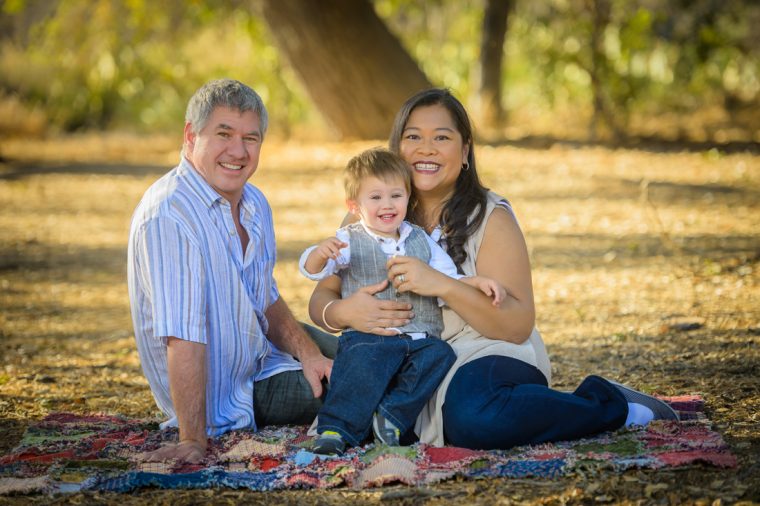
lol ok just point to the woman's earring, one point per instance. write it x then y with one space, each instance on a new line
465 166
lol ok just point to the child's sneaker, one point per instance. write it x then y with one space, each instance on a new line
329 443
385 431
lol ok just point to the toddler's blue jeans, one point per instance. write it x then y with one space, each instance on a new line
395 375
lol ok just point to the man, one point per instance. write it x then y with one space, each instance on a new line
216 341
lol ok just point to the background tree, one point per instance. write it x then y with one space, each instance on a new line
131 65
495 19
356 72
684 69
642 63
598 68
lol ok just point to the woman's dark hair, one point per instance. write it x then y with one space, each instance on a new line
465 210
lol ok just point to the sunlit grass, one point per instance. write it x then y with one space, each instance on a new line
620 241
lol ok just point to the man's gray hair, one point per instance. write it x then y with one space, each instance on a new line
224 93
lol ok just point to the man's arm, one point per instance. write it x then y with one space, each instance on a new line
186 362
169 266
289 336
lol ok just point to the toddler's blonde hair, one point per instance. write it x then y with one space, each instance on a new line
375 162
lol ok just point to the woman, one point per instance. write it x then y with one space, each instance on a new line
496 395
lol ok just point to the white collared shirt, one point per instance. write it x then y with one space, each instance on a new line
439 259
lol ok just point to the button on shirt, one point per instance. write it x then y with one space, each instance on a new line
188 278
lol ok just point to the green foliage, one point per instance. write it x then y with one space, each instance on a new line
655 55
13 6
442 36
133 63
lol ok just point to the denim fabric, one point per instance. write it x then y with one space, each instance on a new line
393 374
286 398
499 402
206 478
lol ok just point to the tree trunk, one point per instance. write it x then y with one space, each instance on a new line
356 72
15 22
600 11
491 55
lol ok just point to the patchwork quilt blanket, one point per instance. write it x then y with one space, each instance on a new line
70 453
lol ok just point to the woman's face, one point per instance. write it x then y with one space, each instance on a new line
434 148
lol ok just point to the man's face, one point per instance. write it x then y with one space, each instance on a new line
226 151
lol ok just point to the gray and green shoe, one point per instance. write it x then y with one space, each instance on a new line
329 443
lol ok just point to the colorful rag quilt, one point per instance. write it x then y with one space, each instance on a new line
71 453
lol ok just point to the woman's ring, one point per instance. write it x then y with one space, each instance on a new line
401 278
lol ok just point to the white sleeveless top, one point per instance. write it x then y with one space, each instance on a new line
470 345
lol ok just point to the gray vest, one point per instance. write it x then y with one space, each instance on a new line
367 267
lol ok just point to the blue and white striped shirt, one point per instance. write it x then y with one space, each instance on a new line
188 279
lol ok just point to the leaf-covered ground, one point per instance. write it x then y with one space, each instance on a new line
646 265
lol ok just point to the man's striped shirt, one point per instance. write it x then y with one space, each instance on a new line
188 279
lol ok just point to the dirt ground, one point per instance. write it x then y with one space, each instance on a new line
646 269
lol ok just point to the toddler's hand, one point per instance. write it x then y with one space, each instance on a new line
490 287
495 290
330 248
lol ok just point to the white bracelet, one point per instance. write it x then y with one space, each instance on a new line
324 320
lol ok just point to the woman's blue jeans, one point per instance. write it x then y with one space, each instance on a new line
391 374
499 402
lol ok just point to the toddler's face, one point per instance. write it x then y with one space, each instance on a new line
381 205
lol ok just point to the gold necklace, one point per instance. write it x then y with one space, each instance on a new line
429 227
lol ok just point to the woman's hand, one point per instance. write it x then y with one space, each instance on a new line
361 311
410 274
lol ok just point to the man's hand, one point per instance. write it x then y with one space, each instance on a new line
289 336
184 451
314 369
